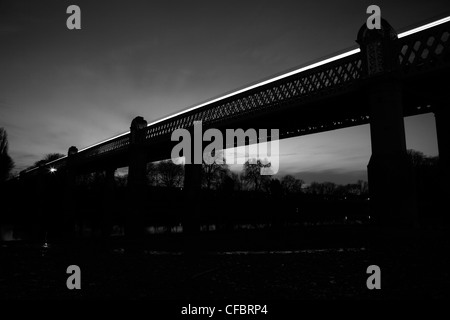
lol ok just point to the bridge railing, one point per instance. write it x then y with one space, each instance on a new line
426 49
308 84
115 144
109 146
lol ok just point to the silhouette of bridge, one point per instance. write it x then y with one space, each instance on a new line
389 76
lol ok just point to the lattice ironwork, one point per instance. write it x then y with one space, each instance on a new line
300 87
112 145
424 50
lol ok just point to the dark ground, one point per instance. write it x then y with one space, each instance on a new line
414 264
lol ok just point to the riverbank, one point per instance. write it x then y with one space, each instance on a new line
271 265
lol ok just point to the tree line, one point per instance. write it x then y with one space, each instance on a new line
218 176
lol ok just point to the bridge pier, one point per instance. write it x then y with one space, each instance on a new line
41 222
107 206
442 118
391 183
137 170
192 190
192 196
70 210
70 172
110 179
137 179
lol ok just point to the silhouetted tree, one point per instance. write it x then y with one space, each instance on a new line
275 188
92 181
231 182
314 188
237 181
6 163
170 174
291 185
328 188
228 185
419 159
428 182
350 189
251 174
121 181
265 183
363 187
152 174
324 188
48 158
214 174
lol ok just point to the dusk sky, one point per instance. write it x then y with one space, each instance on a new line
61 87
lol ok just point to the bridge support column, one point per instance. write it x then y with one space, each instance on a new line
391 184
41 222
70 173
70 217
192 188
108 203
137 178
110 179
390 176
442 117
137 171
